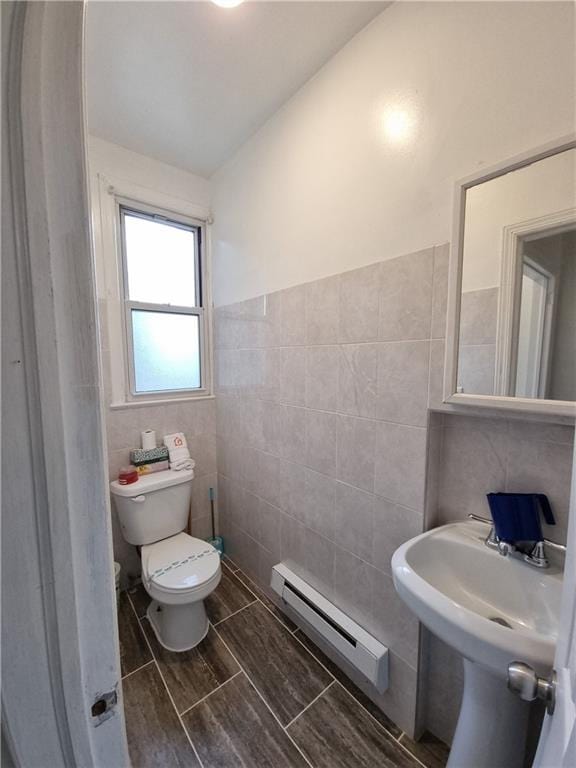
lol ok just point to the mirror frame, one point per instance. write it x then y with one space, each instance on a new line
451 396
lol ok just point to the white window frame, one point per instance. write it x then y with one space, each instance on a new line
150 213
112 289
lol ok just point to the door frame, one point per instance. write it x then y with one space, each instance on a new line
59 624
513 238
560 728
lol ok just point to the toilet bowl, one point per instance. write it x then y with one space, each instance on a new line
178 570
179 573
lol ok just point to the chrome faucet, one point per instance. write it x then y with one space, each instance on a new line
534 554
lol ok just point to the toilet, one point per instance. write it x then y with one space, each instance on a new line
178 571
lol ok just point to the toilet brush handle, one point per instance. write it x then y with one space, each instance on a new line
211 495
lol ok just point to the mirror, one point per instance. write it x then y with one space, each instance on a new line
516 328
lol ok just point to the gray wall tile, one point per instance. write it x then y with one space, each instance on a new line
406 297
393 525
354 520
321 431
358 379
319 503
294 433
440 291
476 368
473 463
293 376
478 314
353 586
322 403
436 378
401 464
393 622
322 365
322 311
359 301
403 368
356 451
293 316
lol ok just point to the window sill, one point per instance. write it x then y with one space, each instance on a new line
151 403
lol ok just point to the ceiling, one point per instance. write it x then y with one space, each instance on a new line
188 82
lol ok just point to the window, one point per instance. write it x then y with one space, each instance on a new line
163 303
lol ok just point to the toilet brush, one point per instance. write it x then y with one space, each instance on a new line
216 541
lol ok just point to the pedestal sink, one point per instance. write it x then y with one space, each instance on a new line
492 609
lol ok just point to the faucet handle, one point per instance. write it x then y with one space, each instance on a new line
537 555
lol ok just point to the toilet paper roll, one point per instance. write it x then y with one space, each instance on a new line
148 439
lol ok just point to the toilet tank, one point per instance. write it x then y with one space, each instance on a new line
154 507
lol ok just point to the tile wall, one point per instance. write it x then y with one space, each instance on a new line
322 412
477 355
123 427
331 452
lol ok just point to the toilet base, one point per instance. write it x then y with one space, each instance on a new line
178 627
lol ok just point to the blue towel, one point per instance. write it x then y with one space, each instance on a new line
516 516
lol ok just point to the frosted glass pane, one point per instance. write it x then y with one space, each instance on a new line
160 262
166 351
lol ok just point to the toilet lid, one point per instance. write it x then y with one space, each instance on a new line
180 562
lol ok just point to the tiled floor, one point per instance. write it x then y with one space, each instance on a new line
256 693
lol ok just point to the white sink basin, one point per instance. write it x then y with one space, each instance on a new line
492 609
466 594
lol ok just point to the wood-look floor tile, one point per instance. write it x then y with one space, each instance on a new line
336 732
261 595
191 675
134 651
140 599
155 734
233 728
429 750
282 670
228 597
229 563
353 689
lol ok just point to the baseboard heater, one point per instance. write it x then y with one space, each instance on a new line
358 647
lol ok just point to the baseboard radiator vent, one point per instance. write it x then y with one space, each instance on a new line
358 647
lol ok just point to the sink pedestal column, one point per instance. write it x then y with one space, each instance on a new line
492 725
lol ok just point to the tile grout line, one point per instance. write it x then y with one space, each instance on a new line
331 477
268 707
133 672
334 679
263 604
405 748
305 345
185 712
290 631
221 621
346 689
411 754
314 700
316 659
396 739
167 689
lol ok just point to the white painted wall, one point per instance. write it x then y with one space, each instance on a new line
139 169
321 189
118 164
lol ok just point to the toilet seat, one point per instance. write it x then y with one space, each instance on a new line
180 569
